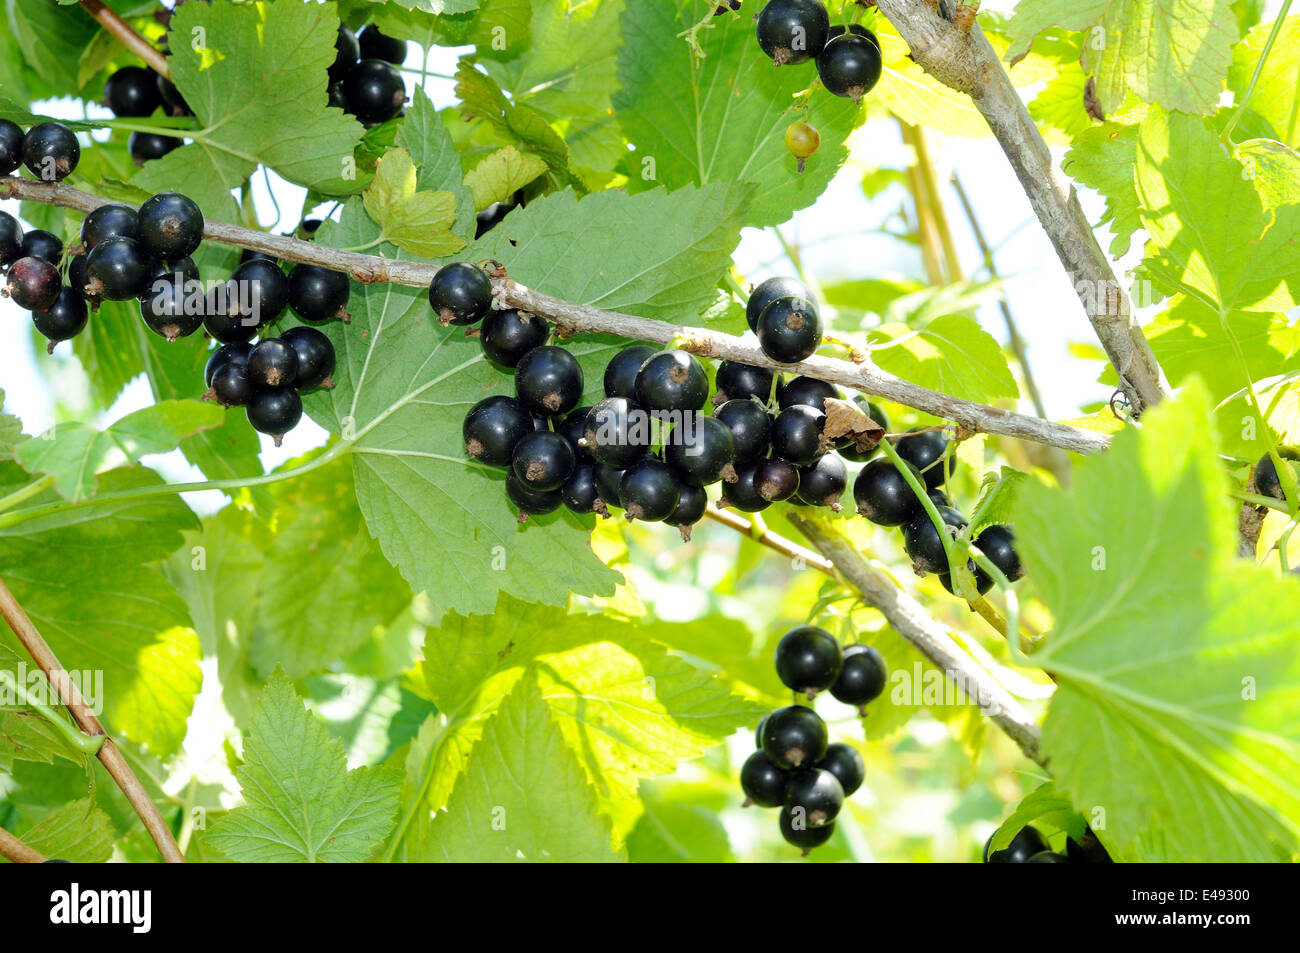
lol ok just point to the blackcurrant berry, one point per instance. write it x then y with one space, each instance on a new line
742 494
170 225
879 416
11 240
692 503
33 283
808 391
823 483
50 151
108 222
275 412
1087 849
763 782
548 380
808 659
248 254
132 91
1023 846
492 428
38 243
616 432
794 737
491 217
862 677
845 763
620 372
226 354
1267 482
573 428
460 293
700 450
814 794
883 496
223 317
579 492
263 291
750 427
506 336
308 227
531 502
11 146
736 381
770 291
375 45
608 480
273 363
543 460
374 91
348 52
776 480
232 386
174 103
801 141
672 380
921 540
318 294
147 146
797 435
315 357
1048 857
839 30
790 330
802 835
183 271
649 490
793 31
77 276
63 319
998 544
758 732
850 65
168 308
923 451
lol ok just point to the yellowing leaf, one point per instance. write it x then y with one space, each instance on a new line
497 177
417 222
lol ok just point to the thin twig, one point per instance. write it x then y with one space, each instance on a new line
927 233
109 755
12 849
128 37
571 317
771 540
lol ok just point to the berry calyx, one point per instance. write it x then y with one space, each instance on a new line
38 243
700 450
845 763
750 426
528 501
620 372
147 146
374 45
11 146
492 428
1027 842
170 225
374 91
460 293
50 151
924 451
63 319
317 293
823 483
11 239
789 330
736 381
692 503
132 92
801 141
850 65
32 283
921 540
108 222
862 676
273 363
543 460
883 496
776 480
769 291
1267 482
814 794
275 412
231 385
672 380
763 782
549 381
315 357
799 834
808 659
794 737
997 543
506 336
649 491
792 31
797 435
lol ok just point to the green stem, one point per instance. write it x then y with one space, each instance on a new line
35 488
1259 68
1258 499
1013 603
74 736
734 285
368 245
1282 543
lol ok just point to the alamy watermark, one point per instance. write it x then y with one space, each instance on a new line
20 687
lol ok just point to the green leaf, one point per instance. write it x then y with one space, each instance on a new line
1174 660
997 498
51 39
74 453
498 176
1273 111
301 803
952 354
1046 809
523 796
25 733
722 118
916 97
437 165
672 832
1103 158
78 831
415 221
11 432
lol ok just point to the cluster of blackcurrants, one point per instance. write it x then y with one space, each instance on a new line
1029 846
134 92
795 31
365 78
49 150
794 767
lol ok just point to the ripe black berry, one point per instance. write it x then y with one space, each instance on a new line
226 354
147 146
247 254
11 239
33 283
108 222
375 45
492 216
862 677
38 243
814 794
117 270
672 380
883 496
776 480
750 427
700 450
823 483
808 391
794 737
77 276
850 65
182 271
649 490
921 540
763 782
620 372
790 330
174 103
170 225
579 492
167 308
608 480
543 460
742 494
808 659
275 412
374 91
315 357
11 146
318 294
1267 482
998 544
531 502
50 151
549 381
736 381
492 428
797 435
506 336
1087 849
224 319
1023 846
770 291
273 363
923 451
572 429
132 91
348 52
799 834
691 506
336 98
63 319
1048 857
263 291
845 763
460 293
793 31
231 385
